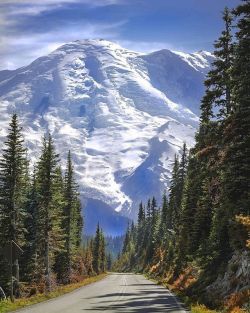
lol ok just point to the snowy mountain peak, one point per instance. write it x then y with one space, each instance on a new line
201 60
123 114
94 44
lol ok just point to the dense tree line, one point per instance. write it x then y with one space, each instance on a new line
202 220
112 247
114 244
42 214
95 253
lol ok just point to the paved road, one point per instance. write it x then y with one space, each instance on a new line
121 293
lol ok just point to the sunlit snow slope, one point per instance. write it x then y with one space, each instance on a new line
123 115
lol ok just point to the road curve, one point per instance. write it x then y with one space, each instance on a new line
117 293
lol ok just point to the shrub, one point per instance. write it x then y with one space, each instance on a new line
237 300
200 308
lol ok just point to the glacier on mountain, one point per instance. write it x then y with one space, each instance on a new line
123 114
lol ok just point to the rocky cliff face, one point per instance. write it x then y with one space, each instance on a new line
235 282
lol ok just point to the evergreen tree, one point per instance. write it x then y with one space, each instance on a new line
141 214
215 108
176 189
151 230
33 215
140 229
189 235
57 232
153 210
72 220
28 261
13 188
126 240
236 176
164 214
183 169
234 191
88 260
96 250
103 260
109 262
219 84
173 194
46 175
162 235
148 232
148 210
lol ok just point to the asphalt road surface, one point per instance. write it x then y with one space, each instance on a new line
121 293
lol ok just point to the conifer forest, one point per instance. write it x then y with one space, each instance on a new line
195 241
41 214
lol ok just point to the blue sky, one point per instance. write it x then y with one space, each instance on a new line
31 28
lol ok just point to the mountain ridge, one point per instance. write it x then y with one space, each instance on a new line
123 114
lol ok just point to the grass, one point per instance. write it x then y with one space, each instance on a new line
8 306
199 308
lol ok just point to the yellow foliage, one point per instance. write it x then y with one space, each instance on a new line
200 308
186 279
237 310
245 221
237 300
159 256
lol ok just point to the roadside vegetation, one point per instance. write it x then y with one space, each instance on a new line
41 224
8 306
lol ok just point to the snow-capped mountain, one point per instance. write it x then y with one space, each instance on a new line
123 115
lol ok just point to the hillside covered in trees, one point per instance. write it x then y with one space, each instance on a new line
197 240
41 223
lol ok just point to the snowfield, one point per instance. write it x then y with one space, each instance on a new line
122 114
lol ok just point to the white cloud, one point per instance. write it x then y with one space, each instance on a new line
32 4
36 2
34 45
144 46
31 10
31 7
14 8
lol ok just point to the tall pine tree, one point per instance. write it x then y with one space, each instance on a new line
72 221
46 175
13 188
